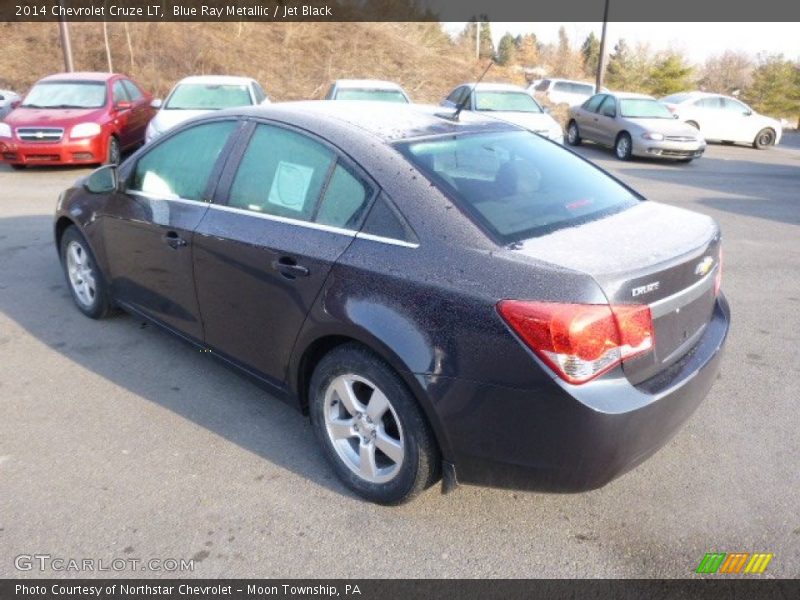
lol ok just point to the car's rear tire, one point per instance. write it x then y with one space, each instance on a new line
114 153
764 139
370 427
573 134
623 147
84 279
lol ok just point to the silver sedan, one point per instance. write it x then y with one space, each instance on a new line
634 125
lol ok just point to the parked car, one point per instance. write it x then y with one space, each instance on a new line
444 297
76 118
634 125
367 89
197 95
563 91
505 102
8 101
724 119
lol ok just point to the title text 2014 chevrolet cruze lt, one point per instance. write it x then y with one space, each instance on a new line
446 297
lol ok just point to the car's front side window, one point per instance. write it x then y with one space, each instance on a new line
118 93
133 90
609 107
181 165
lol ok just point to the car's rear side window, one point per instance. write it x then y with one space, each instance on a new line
180 166
593 103
515 184
281 173
344 200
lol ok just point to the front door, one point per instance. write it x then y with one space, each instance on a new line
262 255
149 229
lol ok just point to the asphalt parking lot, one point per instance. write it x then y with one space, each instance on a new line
119 441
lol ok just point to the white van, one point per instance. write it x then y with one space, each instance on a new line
565 91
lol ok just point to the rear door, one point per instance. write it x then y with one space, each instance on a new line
148 229
286 210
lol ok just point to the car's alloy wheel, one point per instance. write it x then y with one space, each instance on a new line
363 427
85 281
764 139
80 274
371 428
573 136
623 147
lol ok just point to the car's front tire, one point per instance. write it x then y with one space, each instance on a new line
623 147
370 427
114 153
573 135
18 167
764 139
84 279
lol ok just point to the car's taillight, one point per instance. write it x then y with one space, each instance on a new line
718 276
580 341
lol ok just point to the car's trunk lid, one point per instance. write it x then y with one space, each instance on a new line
652 254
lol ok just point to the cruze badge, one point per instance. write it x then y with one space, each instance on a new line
704 266
644 289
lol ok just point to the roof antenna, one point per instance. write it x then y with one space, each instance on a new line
463 103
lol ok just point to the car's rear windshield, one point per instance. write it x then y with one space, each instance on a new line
643 108
506 101
67 94
374 95
203 96
517 185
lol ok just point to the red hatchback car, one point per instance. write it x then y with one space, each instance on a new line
76 118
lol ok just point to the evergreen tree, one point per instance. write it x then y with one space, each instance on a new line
506 50
591 54
670 74
775 89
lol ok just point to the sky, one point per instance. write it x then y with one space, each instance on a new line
698 41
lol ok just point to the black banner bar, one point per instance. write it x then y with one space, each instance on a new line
399 10
710 588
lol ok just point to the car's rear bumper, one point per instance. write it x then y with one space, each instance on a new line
668 149
85 151
563 438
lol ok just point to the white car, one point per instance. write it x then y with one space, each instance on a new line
8 101
563 91
201 94
367 89
509 103
724 119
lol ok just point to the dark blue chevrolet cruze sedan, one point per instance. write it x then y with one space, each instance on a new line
447 297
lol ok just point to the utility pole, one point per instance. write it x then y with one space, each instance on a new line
601 63
66 46
477 40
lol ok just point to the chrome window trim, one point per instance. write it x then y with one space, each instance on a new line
662 307
287 220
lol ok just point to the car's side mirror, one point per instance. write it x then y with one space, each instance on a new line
546 110
123 105
675 117
16 103
748 113
102 180
156 103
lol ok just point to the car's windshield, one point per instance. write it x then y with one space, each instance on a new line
643 108
67 94
203 96
371 94
507 101
516 184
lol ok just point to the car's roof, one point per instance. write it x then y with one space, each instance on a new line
496 87
567 80
368 83
628 95
386 121
216 80
80 76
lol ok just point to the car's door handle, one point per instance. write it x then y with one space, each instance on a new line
288 267
173 240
